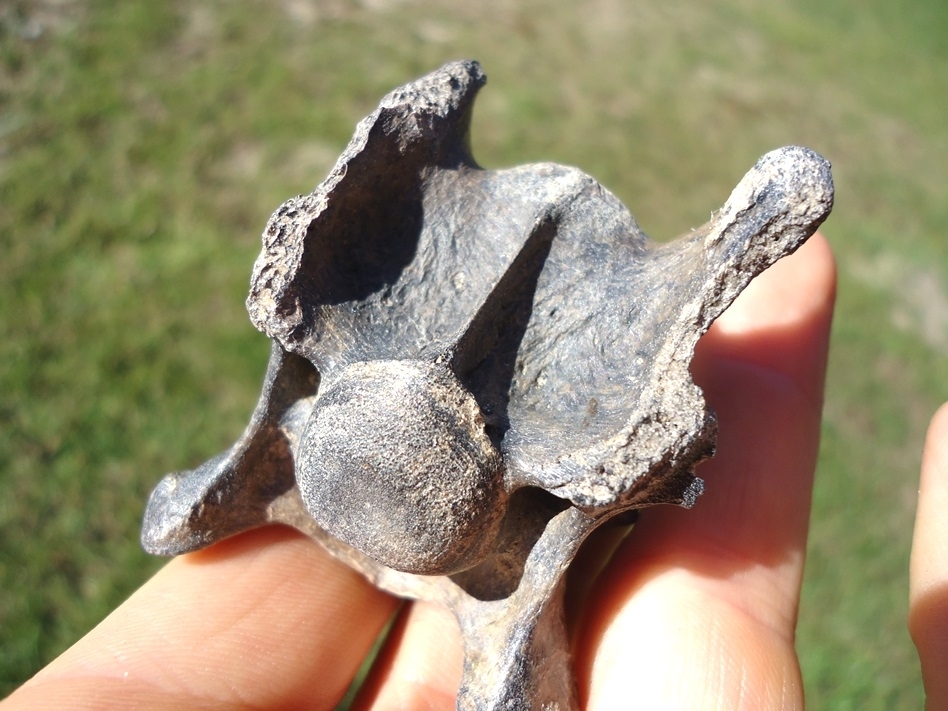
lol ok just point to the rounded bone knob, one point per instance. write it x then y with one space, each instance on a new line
395 462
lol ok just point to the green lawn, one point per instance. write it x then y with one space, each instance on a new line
144 144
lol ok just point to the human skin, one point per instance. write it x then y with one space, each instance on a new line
695 610
928 580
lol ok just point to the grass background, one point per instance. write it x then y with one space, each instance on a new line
143 146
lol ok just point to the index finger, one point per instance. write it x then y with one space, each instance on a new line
267 619
699 607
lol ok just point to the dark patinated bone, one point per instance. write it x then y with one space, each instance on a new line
472 370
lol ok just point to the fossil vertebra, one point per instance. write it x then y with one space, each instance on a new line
472 370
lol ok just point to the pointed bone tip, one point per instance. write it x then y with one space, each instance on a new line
788 188
466 69
157 542
797 171
164 525
800 160
168 523
450 84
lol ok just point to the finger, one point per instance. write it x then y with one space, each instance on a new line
264 620
420 665
701 604
762 367
928 579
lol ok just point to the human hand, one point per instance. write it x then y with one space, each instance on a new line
928 579
696 610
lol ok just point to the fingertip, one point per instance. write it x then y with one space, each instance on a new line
938 430
792 290
740 551
929 562
928 575
780 322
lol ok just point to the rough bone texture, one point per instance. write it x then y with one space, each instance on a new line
472 370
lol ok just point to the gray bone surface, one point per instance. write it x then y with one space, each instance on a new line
472 370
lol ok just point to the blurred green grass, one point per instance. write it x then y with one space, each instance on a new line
143 145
